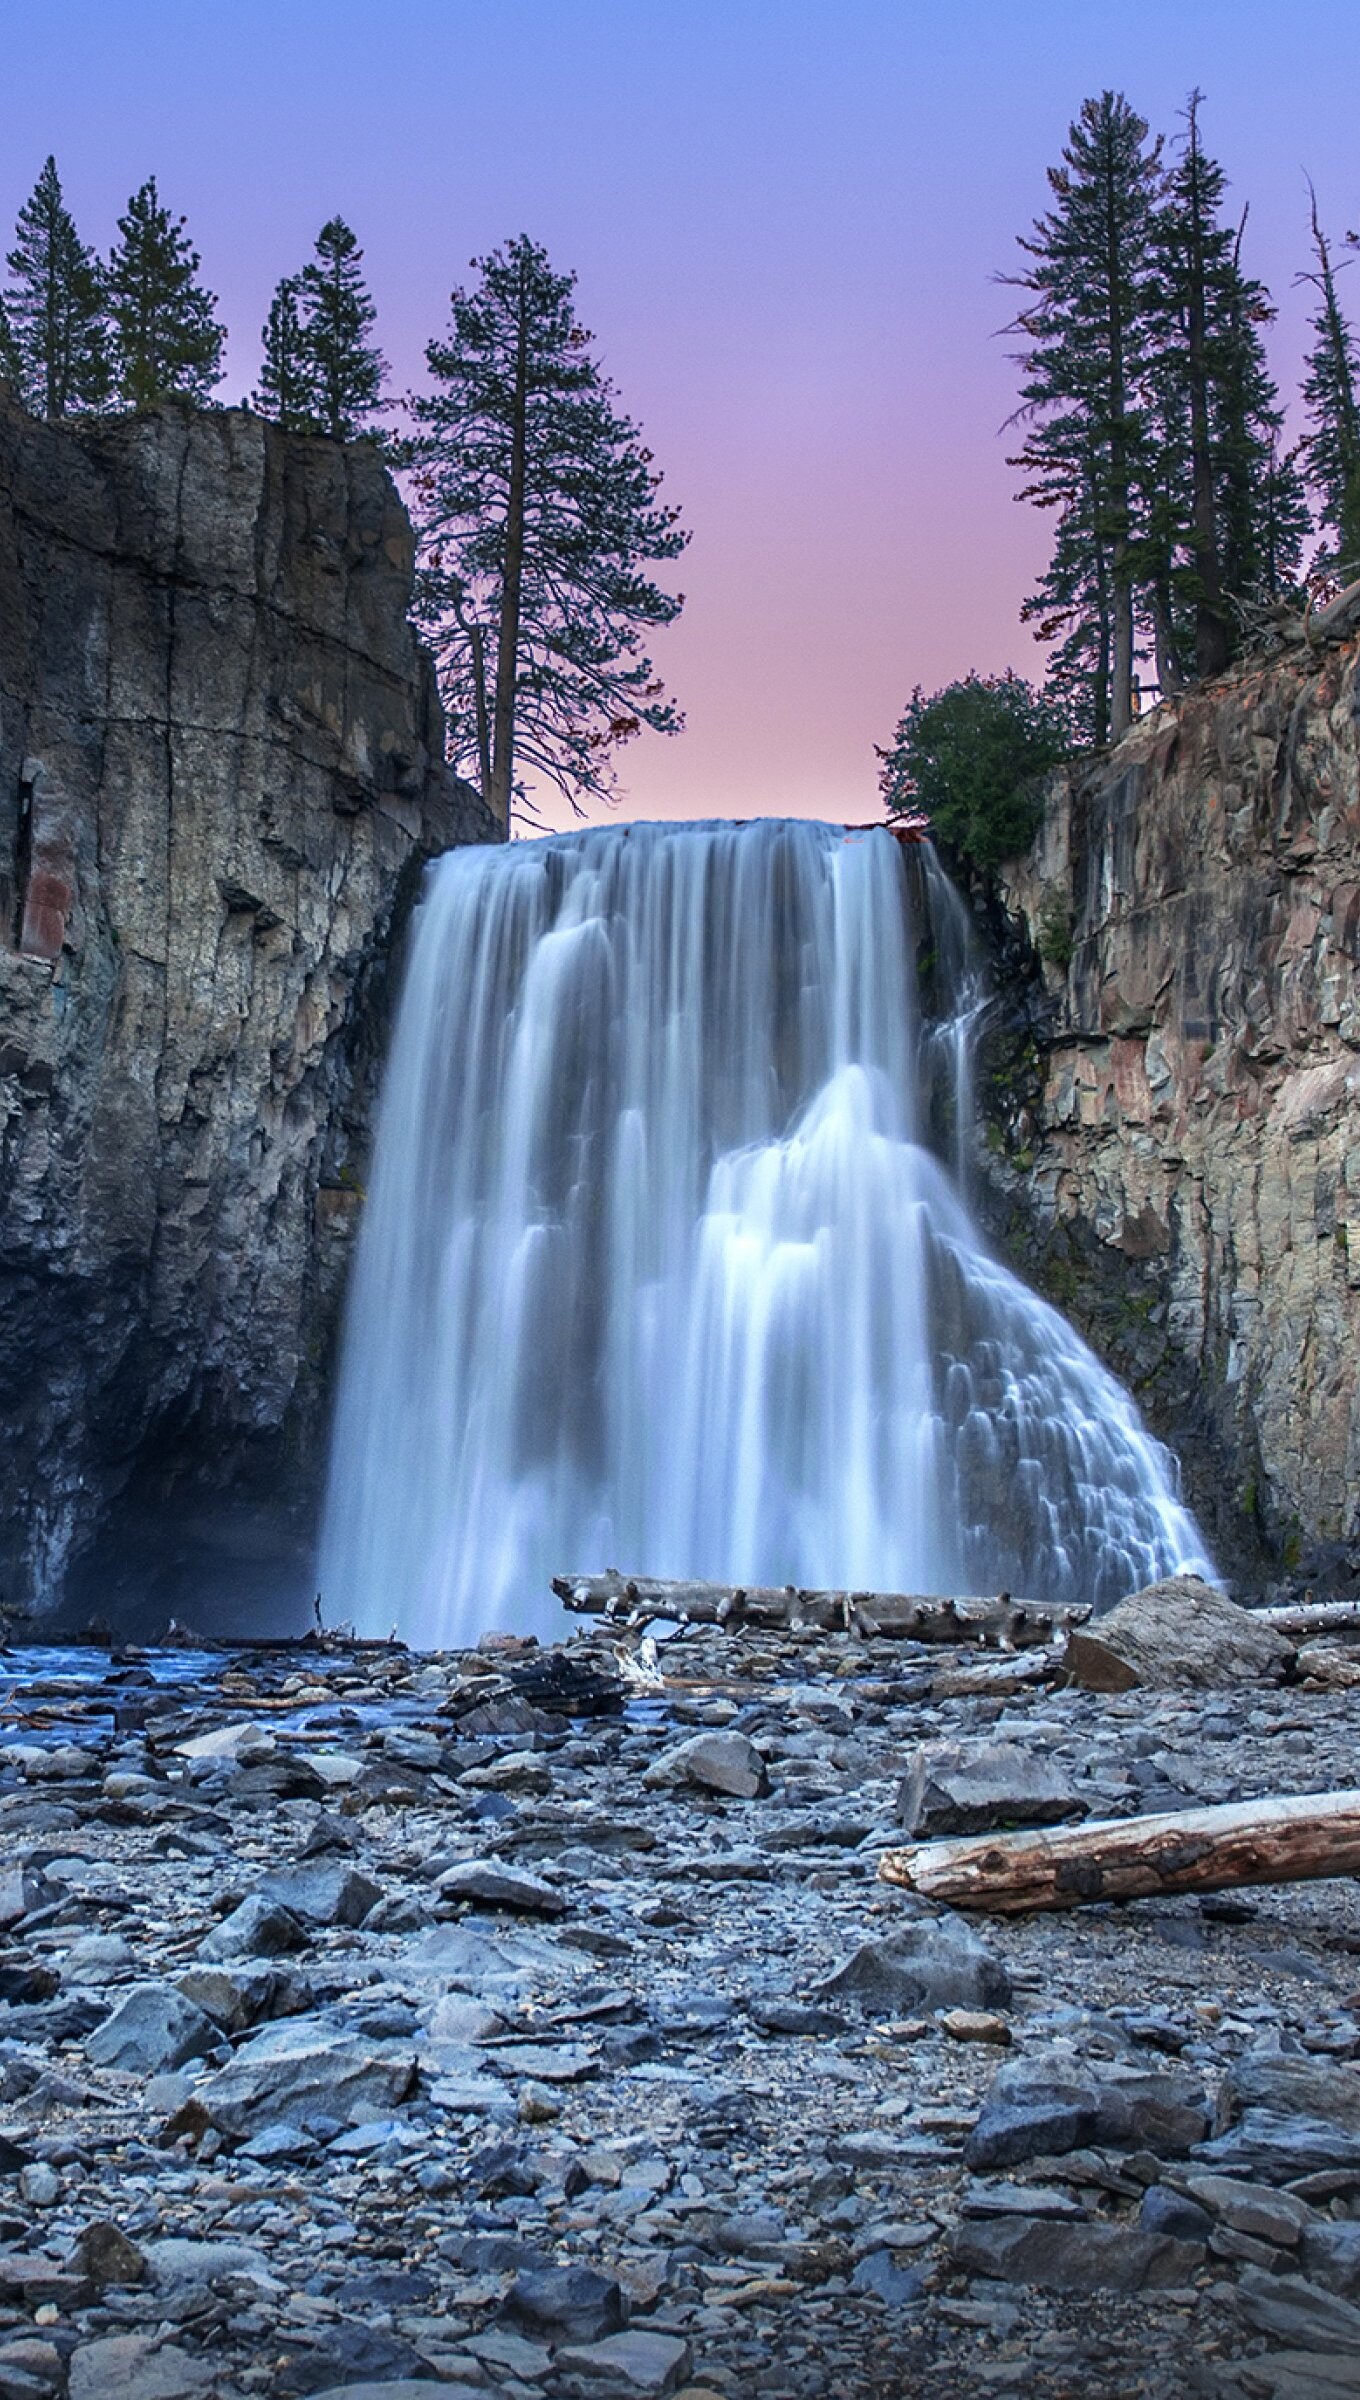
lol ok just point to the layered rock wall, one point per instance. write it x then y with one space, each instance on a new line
221 766
1174 1145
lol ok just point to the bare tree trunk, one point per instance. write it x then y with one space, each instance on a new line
1133 1858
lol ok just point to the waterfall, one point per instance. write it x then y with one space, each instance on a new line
660 1269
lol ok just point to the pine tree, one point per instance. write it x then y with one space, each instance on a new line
1224 518
166 338
1086 328
286 382
55 307
322 374
1331 392
539 513
348 369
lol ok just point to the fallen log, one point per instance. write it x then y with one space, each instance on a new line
1312 1616
1135 1858
906 1616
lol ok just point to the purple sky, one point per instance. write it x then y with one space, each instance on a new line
785 218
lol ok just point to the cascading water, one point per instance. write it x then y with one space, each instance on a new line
658 1269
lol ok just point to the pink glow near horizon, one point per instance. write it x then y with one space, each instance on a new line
786 218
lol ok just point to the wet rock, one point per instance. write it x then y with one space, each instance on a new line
935 1962
153 2029
303 2069
968 1787
713 1762
1072 2258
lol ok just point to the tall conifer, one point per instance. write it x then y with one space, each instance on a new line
285 389
539 514
322 372
348 369
1086 327
1224 506
1331 392
55 307
166 337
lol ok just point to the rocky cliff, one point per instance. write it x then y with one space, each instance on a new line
1172 1078
221 765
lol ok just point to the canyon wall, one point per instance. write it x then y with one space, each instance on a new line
1171 1139
221 767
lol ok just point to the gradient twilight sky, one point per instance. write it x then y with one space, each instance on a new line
785 216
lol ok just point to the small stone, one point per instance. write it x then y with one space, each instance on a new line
240 1745
40 2185
567 2304
488 1885
968 1787
327 1893
104 2255
975 2025
647 2363
259 1928
936 1962
878 2273
714 1762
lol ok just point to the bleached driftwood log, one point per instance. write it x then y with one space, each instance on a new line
910 1616
1132 1858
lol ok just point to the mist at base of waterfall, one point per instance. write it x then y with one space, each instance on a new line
664 1265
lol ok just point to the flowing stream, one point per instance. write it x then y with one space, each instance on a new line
667 1262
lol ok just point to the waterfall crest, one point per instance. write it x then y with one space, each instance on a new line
658 1268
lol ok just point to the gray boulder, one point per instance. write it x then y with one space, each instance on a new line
259 1928
1046 2104
713 1762
153 2028
303 2069
1060 2257
967 1787
322 1892
486 1884
934 1962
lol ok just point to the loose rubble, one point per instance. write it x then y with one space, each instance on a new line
535 2023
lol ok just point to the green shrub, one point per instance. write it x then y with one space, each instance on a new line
973 757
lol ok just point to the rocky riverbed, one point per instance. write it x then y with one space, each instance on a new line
535 2023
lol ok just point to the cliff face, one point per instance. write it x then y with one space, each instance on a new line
221 766
1175 1141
